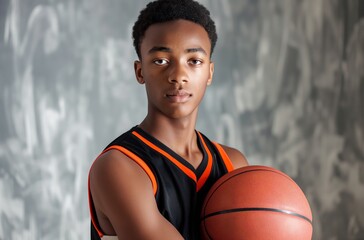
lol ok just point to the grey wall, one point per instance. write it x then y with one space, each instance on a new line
288 92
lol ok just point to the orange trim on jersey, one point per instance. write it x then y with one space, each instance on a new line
133 157
205 175
185 169
225 157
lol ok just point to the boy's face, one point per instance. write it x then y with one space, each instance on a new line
175 67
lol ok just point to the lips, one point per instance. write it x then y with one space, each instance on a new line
178 96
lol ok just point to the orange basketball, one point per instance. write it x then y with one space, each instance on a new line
256 203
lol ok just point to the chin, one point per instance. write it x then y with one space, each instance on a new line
181 114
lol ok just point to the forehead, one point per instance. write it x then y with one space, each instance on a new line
176 35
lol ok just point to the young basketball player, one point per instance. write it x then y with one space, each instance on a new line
150 182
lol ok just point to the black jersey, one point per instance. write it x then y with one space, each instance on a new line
178 187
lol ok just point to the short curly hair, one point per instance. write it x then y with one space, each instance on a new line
160 11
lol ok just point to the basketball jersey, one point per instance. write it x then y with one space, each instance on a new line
179 188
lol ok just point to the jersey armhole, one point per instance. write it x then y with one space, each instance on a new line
136 159
228 164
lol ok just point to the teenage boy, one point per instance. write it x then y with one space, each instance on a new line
150 182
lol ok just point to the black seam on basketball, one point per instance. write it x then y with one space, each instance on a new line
257 209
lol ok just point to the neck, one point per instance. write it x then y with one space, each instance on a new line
178 134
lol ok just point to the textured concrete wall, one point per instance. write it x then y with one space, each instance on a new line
288 92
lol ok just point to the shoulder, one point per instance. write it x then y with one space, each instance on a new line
111 173
237 158
124 200
119 186
109 166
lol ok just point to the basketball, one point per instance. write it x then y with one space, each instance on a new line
256 203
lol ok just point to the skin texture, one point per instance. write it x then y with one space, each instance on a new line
175 68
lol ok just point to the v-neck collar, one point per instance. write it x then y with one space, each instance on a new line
199 174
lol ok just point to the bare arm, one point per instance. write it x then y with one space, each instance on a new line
237 158
124 200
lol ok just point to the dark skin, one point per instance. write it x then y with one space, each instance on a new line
176 69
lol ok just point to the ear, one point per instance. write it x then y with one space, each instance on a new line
211 74
138 72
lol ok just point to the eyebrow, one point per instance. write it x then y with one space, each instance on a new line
166 49
198 49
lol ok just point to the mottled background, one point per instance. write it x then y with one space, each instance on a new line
288 92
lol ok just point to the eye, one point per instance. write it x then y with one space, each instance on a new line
161 62
195 62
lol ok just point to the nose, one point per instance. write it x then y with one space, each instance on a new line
178 74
